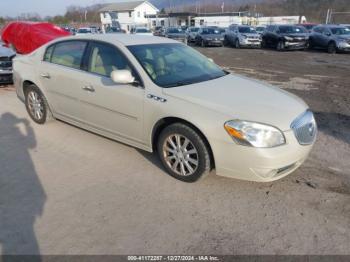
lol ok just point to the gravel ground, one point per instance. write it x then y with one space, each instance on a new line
67 191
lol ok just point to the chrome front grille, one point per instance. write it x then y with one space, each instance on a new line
305 128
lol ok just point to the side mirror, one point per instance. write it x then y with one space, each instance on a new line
122 77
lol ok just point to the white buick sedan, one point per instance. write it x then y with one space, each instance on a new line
159 95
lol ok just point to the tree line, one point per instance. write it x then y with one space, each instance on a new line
314 10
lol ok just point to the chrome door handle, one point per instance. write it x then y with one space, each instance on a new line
47 76
88 89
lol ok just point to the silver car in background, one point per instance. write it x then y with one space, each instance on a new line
242 36
191 34
333 38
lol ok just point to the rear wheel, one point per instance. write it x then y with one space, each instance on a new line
36 105
332 48
183 153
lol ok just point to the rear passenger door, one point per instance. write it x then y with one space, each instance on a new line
61 76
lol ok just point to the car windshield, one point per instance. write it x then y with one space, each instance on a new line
114 30
84 31
247 30
142 30
211 31
196 29
260 29
170 65
292 30
174 31
340 31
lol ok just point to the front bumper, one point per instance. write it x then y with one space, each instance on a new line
344 46
250 43
296 45
213 42
259 164
6 77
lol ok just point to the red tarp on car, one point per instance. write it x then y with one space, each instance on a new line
25 37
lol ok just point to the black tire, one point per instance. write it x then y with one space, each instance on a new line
42 103
203 43
331 48
311 45
280 46
237 44
263 43
226 42
196 140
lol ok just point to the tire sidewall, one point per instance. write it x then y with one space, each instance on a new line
35 89
196 140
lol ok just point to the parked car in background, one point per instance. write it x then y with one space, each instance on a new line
260 29
157 30
192 33
242 36
346 25
84 31
176 33
333 38
308 26
6 57
285 37
159 95
209 36
25 37
141 31
114 30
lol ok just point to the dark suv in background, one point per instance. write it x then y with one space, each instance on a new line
285 37
6 57
333 38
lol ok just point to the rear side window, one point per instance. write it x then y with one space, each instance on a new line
105 58
69 54
48 54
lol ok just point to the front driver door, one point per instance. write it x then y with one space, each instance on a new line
112 108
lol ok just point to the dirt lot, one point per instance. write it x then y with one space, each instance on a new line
66 191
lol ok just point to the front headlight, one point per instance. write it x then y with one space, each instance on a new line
254 134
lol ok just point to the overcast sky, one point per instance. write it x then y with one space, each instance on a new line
43 7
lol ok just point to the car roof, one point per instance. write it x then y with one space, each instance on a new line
124 39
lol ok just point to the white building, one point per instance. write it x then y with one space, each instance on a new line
281 20
197 19
127 14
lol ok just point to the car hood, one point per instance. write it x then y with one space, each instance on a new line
212 36
6 52
242 98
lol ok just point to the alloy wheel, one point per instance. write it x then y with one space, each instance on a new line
180 155
35 105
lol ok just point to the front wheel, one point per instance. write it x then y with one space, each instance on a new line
280 46
36 105
332 48
237 44
183 153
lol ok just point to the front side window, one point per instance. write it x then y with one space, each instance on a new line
210 31
170 65
105 58
69 53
